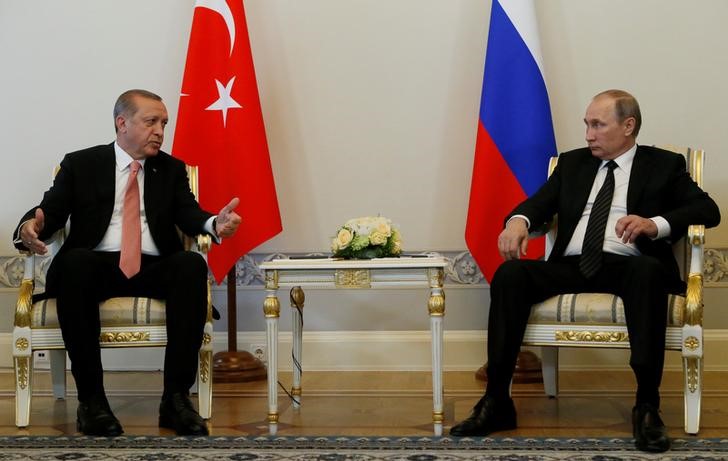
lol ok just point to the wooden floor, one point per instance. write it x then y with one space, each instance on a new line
594 404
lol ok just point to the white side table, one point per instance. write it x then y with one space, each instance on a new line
407 272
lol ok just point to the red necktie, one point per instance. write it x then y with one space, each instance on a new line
131 226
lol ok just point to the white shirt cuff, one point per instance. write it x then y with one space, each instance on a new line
211 230
528 222
663 227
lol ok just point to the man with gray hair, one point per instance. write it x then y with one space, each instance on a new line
619 206
125 202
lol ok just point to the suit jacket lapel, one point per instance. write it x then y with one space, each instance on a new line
151 190
106 183
640 171
583 175
584 180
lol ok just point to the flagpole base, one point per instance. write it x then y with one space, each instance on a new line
237 367
528 369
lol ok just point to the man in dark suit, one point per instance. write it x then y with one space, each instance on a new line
619 206
112 252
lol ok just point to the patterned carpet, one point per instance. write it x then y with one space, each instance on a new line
346 448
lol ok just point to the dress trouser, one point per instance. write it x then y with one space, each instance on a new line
80 279
641 281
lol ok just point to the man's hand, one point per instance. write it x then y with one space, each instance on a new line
513 240
30 231
630 227
227 220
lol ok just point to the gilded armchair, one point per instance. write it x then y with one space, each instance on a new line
125 322
596 320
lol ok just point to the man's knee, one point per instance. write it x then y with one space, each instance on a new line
510 272
190 264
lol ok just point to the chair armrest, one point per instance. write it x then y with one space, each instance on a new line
199 243
25 294
694 295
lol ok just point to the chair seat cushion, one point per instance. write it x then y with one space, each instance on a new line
121 312
596 309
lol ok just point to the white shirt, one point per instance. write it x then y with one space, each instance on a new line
112 237
612 243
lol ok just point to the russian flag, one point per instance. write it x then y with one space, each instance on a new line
515 133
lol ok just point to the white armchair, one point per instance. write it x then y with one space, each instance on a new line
597 320
125 322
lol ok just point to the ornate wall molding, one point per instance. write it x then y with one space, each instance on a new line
715 269
461 268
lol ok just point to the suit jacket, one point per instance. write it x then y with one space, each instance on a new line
659 185
83 190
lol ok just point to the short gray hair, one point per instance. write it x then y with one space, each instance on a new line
125 103
625 106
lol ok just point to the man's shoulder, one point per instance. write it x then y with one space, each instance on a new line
91 151
655 151
576 155
163 159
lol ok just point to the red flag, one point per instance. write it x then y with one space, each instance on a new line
515 134
220 129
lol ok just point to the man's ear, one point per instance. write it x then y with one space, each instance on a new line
120 123
629 124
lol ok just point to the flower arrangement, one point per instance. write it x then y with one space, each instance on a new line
366 238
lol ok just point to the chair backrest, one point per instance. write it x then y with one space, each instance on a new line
695 160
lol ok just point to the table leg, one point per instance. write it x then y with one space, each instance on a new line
272 309
297 300
436 309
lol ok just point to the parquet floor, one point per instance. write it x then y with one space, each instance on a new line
591 404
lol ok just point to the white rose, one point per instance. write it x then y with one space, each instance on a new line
343 238
377 238
383 227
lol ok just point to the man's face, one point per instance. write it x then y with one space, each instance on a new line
605 135
141 134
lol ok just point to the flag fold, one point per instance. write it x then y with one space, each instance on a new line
220 129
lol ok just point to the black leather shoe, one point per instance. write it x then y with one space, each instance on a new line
176 412
94 417
648 429
489 415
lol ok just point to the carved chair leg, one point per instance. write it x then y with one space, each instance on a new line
693 376
23 389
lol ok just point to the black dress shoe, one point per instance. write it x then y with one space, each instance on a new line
94 417
648 429
176 412
489 415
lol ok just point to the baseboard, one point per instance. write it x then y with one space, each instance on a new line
393 350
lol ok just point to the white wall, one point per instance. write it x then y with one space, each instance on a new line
370 105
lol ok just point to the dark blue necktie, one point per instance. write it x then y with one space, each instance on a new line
591 250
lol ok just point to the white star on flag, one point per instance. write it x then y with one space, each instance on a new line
225 101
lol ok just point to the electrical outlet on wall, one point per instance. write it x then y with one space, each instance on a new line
41 359
259 351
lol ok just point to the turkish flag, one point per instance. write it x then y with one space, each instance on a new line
220 129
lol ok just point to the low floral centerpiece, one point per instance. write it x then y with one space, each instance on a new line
366 238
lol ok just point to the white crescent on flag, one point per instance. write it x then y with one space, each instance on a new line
221 7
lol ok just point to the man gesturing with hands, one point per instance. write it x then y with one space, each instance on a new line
125 202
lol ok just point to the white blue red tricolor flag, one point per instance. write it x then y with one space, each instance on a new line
515 133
